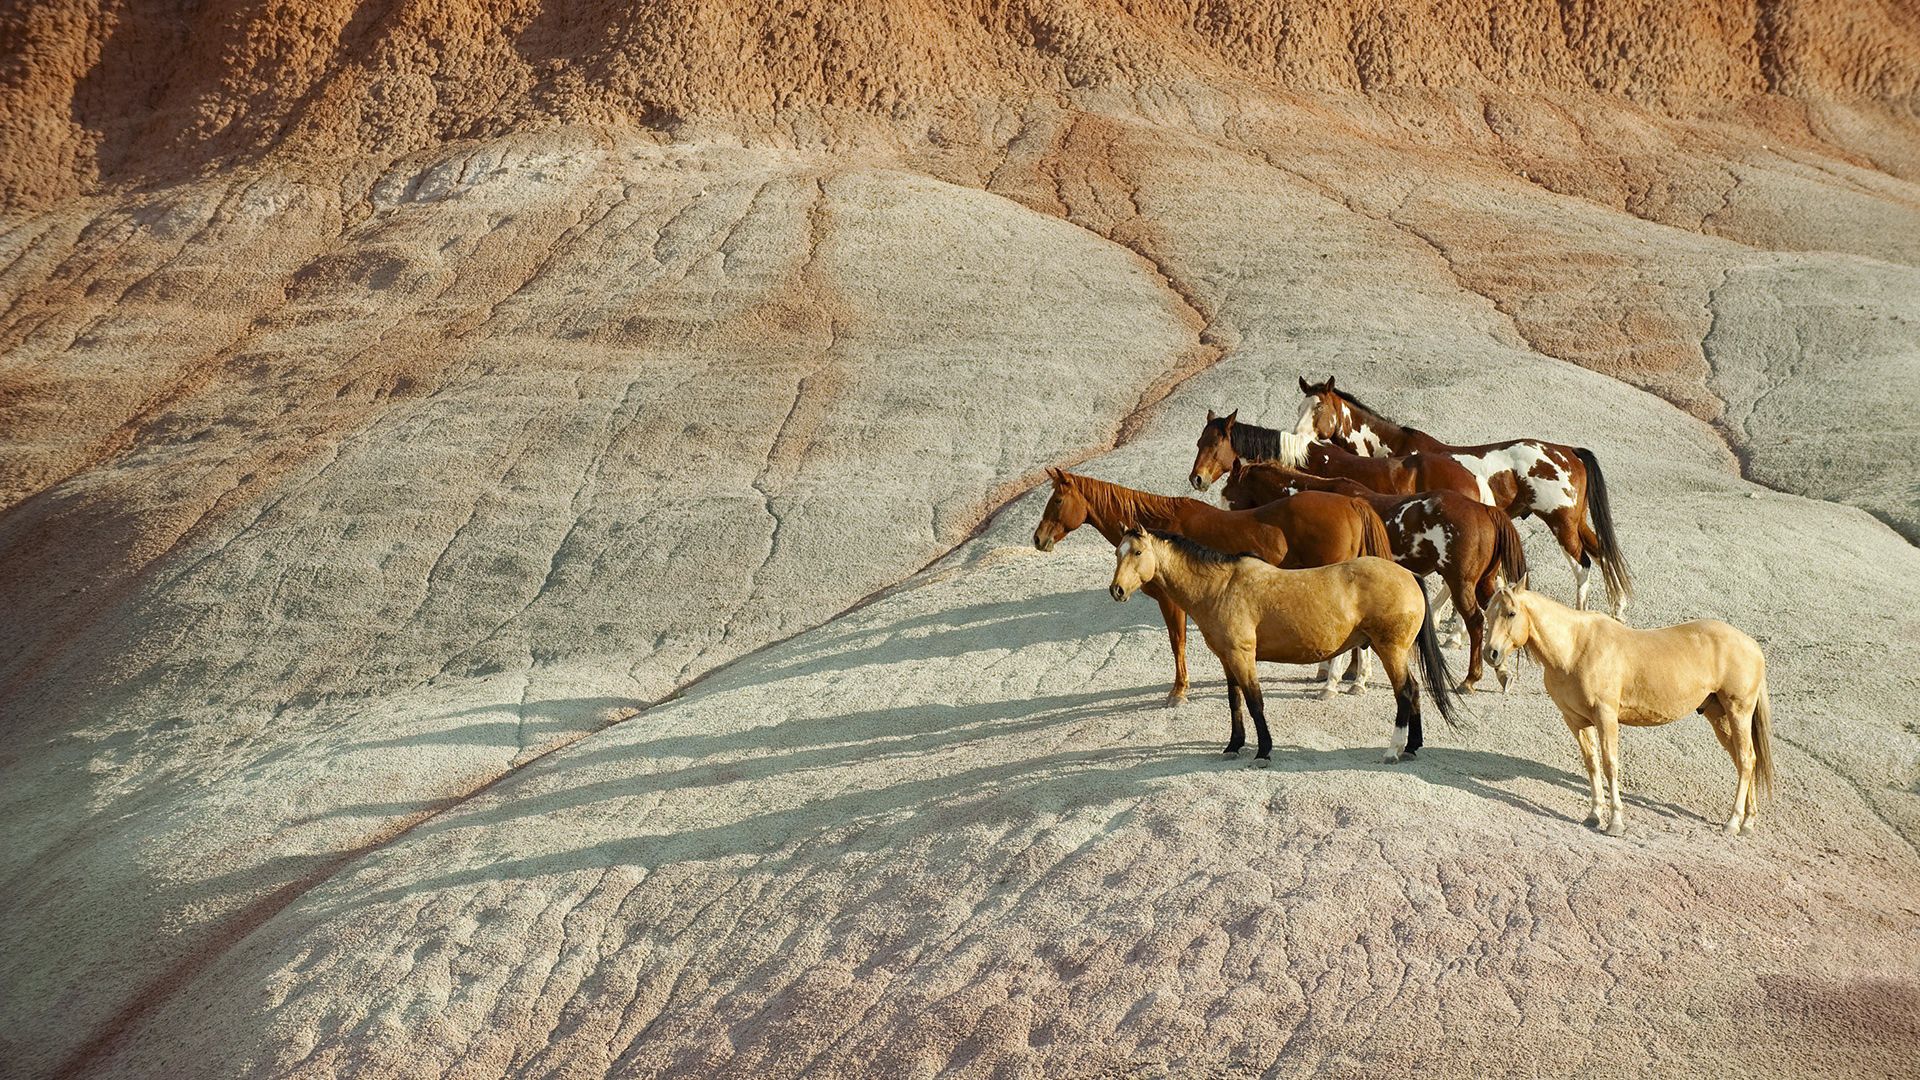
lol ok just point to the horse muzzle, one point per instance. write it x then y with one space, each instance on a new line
1042 543
1494 656
1198 484
1117 592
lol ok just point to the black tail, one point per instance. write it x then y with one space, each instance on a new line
1613 564
1509 551
1433 665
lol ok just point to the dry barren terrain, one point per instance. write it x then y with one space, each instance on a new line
514 534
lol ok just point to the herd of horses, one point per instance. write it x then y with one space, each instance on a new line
1321 550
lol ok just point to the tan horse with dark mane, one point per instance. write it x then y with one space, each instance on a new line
1249 611
1603 674
1473 548
1312 529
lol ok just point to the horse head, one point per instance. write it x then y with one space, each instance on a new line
1134 563
1065 512
1216 454
1508 628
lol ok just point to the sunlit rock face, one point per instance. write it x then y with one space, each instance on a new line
515 535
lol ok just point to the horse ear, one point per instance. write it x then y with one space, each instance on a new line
1329 382
1056 475
1521 585
1304 388
1239 467
1231 415
1210 417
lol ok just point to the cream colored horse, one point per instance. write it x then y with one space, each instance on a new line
1248 610
1603 674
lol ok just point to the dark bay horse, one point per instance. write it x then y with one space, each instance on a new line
1311 529
1473 548
1559 484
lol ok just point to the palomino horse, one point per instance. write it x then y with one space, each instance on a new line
1470 546
1249 611
1296 532
1603 674
1558 484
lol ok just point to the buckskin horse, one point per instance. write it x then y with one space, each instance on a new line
1249 611
1470 546
1298 532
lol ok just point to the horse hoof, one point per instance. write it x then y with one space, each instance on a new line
1592 822
1616 827
1230 752
1466 686
1326 692
1389 757
1357 688
1175 697
1746 827
1262 762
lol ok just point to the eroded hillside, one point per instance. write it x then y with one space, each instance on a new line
515 534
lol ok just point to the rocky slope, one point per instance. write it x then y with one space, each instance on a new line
514 533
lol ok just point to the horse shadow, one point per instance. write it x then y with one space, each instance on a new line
634 776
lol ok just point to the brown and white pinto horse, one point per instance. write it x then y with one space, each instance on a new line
1561 485
1313 529
1473 548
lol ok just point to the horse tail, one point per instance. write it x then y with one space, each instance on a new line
1509 551
1373 531
1763 742
1613 563
1433 664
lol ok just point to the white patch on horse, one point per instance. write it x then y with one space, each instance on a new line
1126 547
1305 426
1485 468
1436 536
1550 493
1366 443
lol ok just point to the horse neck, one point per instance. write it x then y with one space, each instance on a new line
1251 442
1553 631
1192 584
1392 435
1113 509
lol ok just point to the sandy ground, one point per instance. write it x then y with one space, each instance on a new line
560 602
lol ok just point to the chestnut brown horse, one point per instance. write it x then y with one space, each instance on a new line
1312 529
1561 485
1471 546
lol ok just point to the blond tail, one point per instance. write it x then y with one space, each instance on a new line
1763 743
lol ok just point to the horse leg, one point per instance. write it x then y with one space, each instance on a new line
1176 640
1359 670
1242 672
1566 530
1238 738
1469 608
1589 739
1745 800
1328 679
1590 545
1407 737
1609 720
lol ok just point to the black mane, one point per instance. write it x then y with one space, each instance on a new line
1358 404
1197 551
1253 442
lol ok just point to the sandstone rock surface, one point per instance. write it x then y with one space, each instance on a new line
515 518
